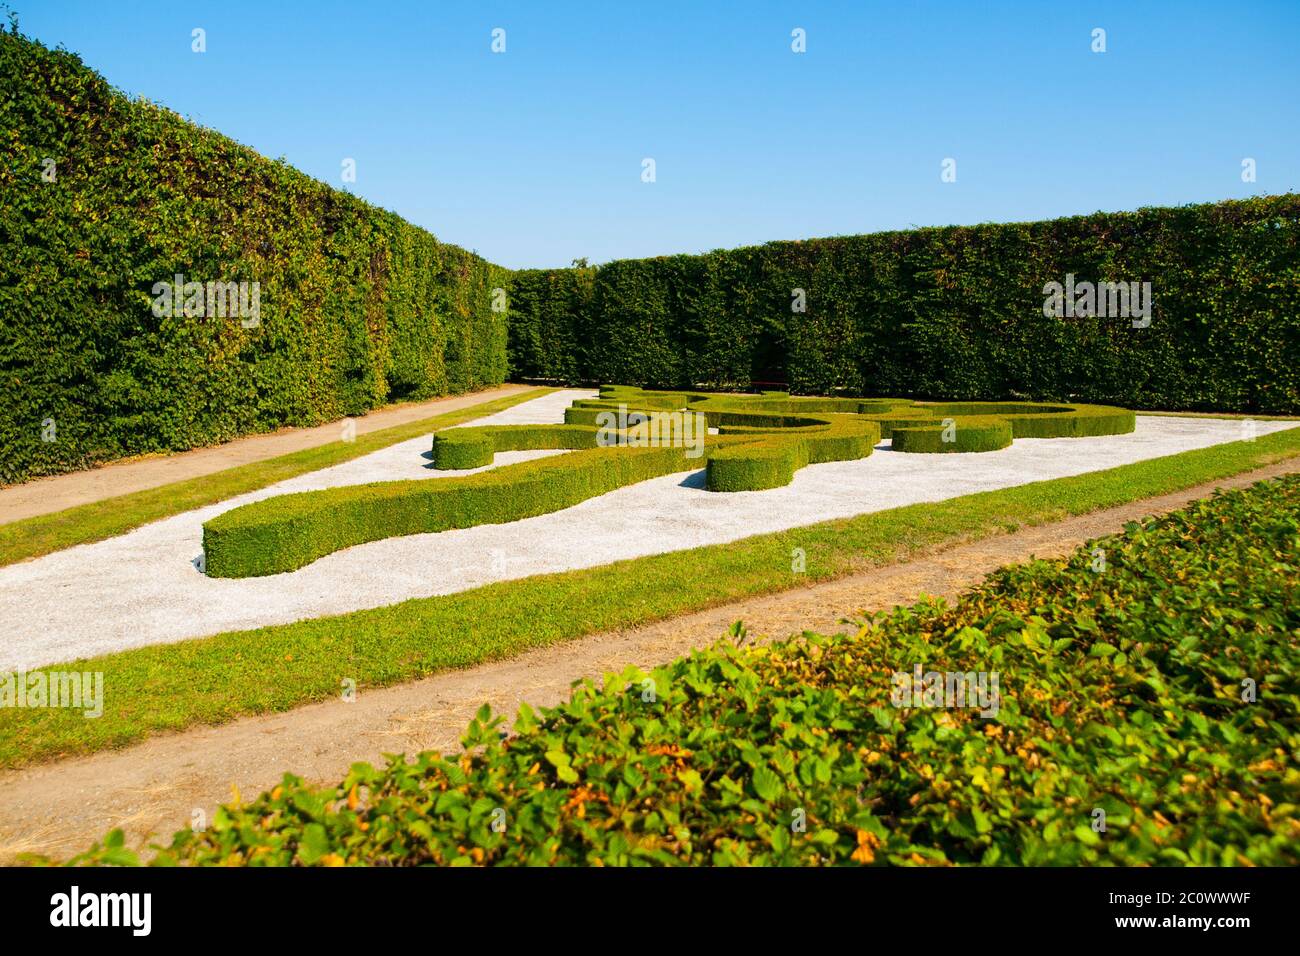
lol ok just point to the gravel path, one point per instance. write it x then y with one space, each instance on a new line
141 588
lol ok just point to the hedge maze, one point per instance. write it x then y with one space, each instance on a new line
627 435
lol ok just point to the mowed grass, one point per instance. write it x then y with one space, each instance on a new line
44 534
217 679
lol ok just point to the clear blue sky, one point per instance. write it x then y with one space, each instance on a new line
533 157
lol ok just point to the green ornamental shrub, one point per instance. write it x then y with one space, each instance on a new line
289 531
624 437
974 434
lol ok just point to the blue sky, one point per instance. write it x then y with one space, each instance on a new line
533 157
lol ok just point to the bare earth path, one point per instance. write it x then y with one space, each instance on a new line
155 787
47 495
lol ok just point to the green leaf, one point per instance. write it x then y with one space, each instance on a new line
315 844
766 784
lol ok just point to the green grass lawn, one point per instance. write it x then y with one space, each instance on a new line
216 679
43 534
1230 415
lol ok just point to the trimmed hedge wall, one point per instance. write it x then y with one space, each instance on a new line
357 307
952 312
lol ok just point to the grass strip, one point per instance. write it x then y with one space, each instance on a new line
44 534
216 679
1231 416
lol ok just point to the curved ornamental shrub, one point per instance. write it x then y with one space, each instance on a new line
1026 419
289 531
1039 420
474 447
624 437
759 459
974 434
1120 691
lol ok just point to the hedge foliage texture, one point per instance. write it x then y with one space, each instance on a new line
356 307
952 313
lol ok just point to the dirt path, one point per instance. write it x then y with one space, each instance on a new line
156 786
47 495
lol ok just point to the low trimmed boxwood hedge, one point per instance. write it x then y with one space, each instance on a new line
1027 419
974 434
762 442
474 447
771 460
1160 688
289 531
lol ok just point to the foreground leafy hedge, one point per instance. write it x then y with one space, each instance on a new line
357 307
953 312
1121 685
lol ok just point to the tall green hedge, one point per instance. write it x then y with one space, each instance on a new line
948 313
358 307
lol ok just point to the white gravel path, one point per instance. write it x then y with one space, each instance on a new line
141 588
